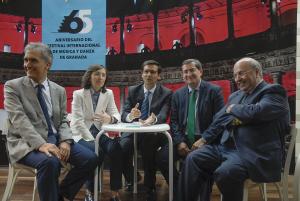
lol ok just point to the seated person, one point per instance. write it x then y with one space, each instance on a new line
93 106
148 102
38 134
193 108
251 128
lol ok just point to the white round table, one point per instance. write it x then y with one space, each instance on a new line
136 128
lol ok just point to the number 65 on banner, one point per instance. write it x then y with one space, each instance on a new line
75 24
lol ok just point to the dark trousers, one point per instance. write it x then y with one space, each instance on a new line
48 170
221 162
163 165
148 144
111 148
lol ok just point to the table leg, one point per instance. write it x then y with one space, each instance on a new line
170 165
135 163
96 176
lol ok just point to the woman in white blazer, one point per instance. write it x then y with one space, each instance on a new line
93 106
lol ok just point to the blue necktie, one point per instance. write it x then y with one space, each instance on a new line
51 137
145 106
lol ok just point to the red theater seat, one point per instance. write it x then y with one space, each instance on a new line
225 85
117 96
289 82
69 91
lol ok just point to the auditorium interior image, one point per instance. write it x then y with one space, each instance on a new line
217 32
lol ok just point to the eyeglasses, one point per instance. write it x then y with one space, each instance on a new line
241 74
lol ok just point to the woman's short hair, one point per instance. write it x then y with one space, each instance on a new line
86 78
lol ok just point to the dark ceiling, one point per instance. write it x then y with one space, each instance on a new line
29 8
115 8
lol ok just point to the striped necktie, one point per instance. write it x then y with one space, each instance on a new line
145 106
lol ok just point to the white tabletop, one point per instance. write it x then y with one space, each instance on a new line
135 127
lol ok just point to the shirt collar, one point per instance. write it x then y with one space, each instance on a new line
197 88
44 83
151 90
250 92
94 92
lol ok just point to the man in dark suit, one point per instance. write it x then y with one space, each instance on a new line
39 135
148 102
251 127
192 110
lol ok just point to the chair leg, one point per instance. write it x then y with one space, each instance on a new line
279 190
245 191
11 179
101 179
34 193
263 191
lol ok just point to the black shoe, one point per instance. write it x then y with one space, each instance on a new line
129 185
151 195
114 199
139 177
62 198
88 196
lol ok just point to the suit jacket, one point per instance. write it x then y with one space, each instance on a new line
160 103
210 101
259 139
27 129
83 112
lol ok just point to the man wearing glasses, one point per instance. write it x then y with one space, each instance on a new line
251 128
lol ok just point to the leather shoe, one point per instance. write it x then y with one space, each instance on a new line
114 199
151 195
129 185
88 196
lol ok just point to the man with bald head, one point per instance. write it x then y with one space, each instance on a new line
251 128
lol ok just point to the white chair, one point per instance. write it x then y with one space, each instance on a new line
281 186
297 180
15 169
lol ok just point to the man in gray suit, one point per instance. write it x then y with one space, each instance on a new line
38 133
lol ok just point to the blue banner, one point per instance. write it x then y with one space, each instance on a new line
75 32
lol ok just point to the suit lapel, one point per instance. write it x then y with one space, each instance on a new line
155 97
100 103
202 93
87 97
55 103
140 96
31 94
185 102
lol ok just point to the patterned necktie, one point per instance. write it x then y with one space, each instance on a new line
45 111
145 106
191 117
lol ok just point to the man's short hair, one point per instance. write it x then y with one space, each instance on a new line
152 62
43 48
252 63
196 62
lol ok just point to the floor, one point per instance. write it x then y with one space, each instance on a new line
23 190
